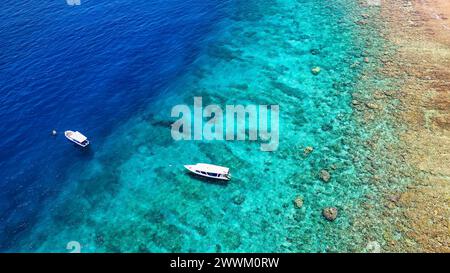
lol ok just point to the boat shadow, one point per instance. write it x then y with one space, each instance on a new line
217 182
84 152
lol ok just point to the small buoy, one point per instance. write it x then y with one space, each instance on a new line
54 133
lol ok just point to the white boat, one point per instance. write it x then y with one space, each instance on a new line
77 138
210 171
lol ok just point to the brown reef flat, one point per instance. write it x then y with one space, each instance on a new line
420 30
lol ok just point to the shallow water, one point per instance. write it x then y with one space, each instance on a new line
129 192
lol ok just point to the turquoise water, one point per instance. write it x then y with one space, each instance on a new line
134 196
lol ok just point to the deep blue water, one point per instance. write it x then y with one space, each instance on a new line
86 68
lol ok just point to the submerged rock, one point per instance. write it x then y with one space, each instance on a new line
99 239
240 86
315 51
162 123
315 70
327 127
361 22
330 213
394 198
372 106
231 240
325 175
298 202
238 199
288 90
355 64
378 95
308 150
218 248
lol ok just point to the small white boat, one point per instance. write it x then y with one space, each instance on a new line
77 138
210 171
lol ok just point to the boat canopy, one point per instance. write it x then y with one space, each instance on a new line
211 168
78 137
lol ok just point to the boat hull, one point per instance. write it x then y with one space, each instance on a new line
192 170
84 144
